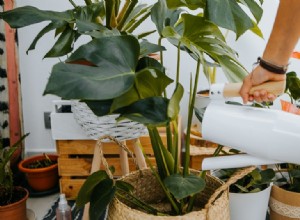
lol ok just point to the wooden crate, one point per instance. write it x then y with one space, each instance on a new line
75 159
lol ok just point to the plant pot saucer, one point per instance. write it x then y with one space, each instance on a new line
33 193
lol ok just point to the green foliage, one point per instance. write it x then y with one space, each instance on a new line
121 77
255 181
6 175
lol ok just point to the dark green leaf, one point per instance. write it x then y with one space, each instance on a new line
295 173
63 45
88 187
293 85
113 54
87 26
228 14
255 9
124 186
191 4
182 187
147 48
102 195
89 12
73 81
151 111
27 15
148 83
100 108
49 27
148 62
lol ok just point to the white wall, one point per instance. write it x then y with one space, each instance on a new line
35 71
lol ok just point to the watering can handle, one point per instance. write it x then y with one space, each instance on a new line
232 89
275 87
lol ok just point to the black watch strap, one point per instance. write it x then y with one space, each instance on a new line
272 67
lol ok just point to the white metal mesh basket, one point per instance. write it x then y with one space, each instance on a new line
96 127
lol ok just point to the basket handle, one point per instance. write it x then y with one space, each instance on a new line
99 158
99 147
235 177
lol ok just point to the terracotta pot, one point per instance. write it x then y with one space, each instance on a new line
17 210
284 205
40 179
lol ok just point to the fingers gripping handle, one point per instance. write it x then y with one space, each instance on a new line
218 91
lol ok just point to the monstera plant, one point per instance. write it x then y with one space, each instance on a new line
122 78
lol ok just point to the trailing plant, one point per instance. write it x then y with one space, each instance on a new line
123 79
6 174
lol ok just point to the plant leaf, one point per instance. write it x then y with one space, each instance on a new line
49 27
191 4
63 45
124 186
174 104
147 48
228 14
182 187
152 111
73 81
148 83
102 195
84 194
28 15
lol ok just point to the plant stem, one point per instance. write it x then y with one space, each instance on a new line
87 2
176 143
131 6
167 193
73 3
178 63
161 166
189 122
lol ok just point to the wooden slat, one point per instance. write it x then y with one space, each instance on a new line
82 147
70 187
13 80
76 167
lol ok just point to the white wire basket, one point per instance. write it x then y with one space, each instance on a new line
96 127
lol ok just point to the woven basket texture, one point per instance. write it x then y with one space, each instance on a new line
96 127
149 190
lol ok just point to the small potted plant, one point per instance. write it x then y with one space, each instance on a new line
285 194
13 198
41 171
249 196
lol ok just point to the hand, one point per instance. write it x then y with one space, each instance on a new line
258 76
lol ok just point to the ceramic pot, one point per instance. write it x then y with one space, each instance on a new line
284 205
249 206
17 210
40 179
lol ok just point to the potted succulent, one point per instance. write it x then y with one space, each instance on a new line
285 194
123 79
13 198
41 171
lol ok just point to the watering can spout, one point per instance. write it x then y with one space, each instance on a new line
266 133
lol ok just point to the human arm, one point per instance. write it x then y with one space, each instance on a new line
282 41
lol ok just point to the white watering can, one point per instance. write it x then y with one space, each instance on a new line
268 136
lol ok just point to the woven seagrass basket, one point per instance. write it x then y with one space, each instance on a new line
211 204
96 127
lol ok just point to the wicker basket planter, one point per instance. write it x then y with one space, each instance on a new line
149 190
96 127
284 205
